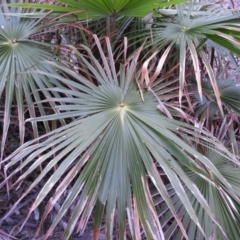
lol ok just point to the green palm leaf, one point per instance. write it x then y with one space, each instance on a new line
186 35
18 54
92 9
117 138
225 208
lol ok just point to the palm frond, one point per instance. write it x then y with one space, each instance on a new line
18 55
89 9
223 205
186 35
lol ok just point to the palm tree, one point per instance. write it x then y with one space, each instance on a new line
129 151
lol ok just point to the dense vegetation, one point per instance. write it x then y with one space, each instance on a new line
127 112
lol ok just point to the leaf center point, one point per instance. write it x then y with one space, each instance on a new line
122 105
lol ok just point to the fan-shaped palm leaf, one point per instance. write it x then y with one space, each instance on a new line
187 34
92 9
117 138
18 54
222 204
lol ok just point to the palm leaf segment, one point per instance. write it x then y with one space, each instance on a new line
117 138
18 55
